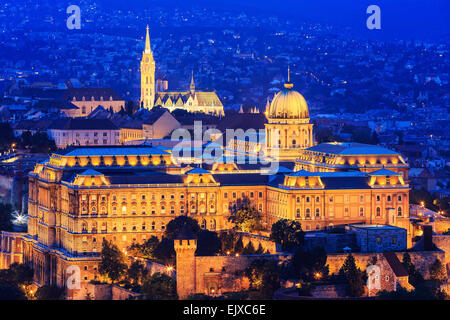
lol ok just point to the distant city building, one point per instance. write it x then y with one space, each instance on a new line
84 132
160 124
88 99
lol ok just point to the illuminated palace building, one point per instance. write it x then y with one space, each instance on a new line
126 194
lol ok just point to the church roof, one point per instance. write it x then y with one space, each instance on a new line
204 99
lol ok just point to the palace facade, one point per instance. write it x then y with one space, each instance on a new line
127 194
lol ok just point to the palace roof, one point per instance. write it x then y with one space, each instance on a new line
351 148
111 151
384 172
198 171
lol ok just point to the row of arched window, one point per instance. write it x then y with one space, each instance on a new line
361 212
123 228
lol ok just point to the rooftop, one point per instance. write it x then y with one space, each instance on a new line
351 148
111 151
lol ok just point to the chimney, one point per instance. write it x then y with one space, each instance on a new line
428 238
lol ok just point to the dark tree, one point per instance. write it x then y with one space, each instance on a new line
22 274
228 241
113 263
8 292
6 137
288 233
131 107
438 273
165 251
308 263
49 293
414 276
208 243
6 217
159 287
173 228
246 217
145 250
354 277
264 278
37 143
136 272
421 292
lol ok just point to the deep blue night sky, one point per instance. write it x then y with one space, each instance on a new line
406 19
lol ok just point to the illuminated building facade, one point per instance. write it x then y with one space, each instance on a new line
346 156
127 194
191 100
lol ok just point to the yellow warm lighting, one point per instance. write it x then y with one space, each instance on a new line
95 161
120 160
83 161
108 161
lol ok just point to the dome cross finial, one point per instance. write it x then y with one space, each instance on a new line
288 84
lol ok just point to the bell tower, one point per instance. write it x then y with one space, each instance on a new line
147 76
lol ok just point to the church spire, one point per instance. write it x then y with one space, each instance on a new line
192 86
148 49
147 75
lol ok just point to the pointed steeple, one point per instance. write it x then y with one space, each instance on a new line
148 49
192 86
